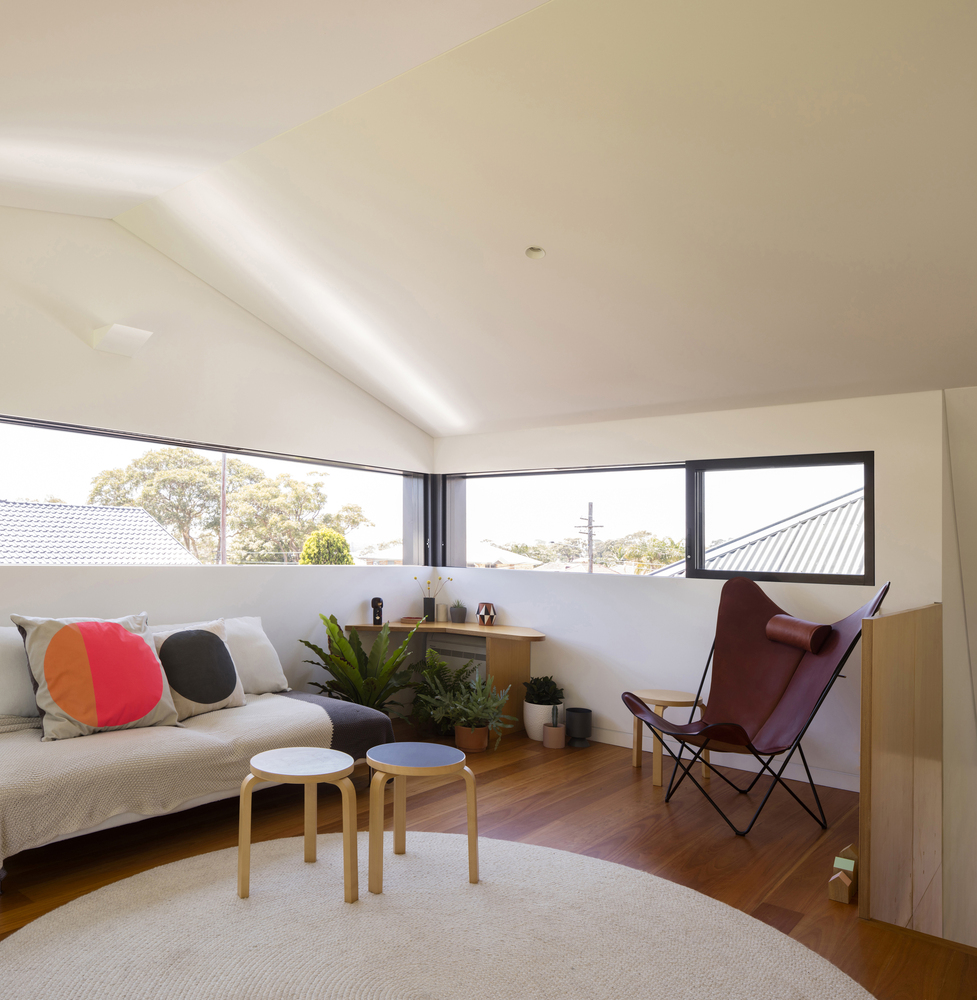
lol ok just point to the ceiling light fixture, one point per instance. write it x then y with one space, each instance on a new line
535 252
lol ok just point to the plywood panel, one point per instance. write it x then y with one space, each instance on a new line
928 763
507 660
902 741
892 710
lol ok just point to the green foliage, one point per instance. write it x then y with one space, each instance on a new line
474 705
459 603
543 691
371 680
326 548
436 677
644 550
269 517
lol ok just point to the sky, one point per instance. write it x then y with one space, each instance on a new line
37 463
527 508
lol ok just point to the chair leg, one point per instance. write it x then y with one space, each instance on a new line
351 879
472 825
311 819
377 787
636 742
656 757
400 814
244 837
706 773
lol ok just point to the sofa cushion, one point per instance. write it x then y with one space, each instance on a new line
16 692
199 669
254 656
92 675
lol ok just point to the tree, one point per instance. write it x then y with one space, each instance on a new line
647 551
326 548
270 516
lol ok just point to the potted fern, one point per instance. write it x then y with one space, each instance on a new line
542 695
370 679
436 678
475 710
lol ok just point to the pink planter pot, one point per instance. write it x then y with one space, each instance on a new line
554 737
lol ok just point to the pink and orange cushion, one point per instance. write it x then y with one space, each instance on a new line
93 675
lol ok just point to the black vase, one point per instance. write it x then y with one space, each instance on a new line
429 610
579 726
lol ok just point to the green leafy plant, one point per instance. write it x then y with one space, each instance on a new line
474 705
370 680
326 548
436 677
459 603
543 691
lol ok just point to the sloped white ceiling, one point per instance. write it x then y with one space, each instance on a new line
739 203
108 102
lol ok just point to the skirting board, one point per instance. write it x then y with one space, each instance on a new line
821 775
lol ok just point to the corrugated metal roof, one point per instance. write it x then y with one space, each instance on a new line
57 534
826 539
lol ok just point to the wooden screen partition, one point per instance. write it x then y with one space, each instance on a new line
901 799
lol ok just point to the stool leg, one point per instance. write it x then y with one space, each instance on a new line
351 880
472 825
656 753
311 819
706 773
244 837
377 786
636 742
400 814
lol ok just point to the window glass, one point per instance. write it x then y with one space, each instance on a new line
539 522
785 520
70 497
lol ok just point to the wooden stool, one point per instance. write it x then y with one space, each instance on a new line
302 766
658 701
401 761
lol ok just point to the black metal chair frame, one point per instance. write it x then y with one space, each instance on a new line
777 775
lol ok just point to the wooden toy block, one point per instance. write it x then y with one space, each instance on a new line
843 884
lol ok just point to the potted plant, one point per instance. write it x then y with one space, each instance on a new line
435 678
458 611
366 679
475 711
542 695
554 734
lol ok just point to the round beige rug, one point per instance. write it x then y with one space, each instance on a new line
541 924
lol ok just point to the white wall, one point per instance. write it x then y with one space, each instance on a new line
212 372
959 635
288 599
609 634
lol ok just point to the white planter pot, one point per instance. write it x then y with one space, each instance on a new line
534 717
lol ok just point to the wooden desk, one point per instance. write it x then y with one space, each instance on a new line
506 654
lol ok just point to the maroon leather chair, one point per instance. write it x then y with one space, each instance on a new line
770 675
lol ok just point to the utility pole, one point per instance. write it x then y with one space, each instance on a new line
589 532
222 553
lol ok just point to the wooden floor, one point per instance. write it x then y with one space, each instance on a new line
588 801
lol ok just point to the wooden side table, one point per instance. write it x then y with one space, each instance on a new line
302 766
658 700
400 761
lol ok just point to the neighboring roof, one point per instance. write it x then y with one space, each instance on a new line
484 554
824 539
579 566
57 534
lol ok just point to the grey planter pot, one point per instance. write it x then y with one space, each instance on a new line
458 614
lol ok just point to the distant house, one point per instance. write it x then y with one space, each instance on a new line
57 534
824 539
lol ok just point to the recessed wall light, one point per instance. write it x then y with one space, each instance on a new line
535 252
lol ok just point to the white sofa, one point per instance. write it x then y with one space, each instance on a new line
63 788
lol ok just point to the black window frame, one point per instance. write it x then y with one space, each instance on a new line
418 526
695 516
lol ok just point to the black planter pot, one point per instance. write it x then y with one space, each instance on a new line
429 609
458 614
579 726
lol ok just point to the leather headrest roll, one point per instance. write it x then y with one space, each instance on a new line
796 632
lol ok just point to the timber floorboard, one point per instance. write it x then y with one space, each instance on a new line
589 801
